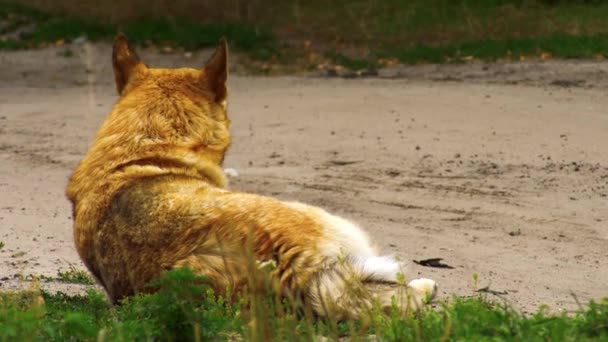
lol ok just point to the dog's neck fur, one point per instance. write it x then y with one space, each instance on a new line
88 199
153 160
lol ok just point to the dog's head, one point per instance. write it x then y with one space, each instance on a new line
179 107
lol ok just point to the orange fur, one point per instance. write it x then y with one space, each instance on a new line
149 197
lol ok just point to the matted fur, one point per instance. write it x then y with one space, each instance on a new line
150 196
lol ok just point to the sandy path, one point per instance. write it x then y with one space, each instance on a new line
509 182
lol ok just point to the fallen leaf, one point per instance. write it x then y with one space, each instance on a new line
432 262
343 162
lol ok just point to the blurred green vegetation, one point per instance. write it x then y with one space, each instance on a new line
354 33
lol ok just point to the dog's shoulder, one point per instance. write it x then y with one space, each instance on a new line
156 203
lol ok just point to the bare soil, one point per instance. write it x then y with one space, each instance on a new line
499 169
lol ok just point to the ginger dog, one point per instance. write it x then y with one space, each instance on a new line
149 196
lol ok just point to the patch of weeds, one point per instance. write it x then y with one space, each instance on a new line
21 315
65 28
351 62
30 28
12 45
16 13
25 27
183 308
559 45
75 317
416 31
192 35
41 277
1 245
75 276
67 53
18 254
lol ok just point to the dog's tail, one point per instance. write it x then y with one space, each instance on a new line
353 287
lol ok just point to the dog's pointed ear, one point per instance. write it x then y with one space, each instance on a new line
215 73
124 61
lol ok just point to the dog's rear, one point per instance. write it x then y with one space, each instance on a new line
149 197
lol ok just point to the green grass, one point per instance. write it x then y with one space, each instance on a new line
191 35
47 28
75 276
354 34
558 45
352 63
71 276
185 310
175 32
357 34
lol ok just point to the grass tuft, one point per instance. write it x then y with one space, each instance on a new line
75 276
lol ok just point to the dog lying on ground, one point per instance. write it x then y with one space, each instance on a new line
150 196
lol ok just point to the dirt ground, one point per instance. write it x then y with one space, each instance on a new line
499 169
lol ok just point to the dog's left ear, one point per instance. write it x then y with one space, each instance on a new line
124 61
215 73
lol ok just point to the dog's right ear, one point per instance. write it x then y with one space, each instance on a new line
124 61
215 73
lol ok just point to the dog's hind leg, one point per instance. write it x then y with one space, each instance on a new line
337 292
385 278
224 275
349 288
